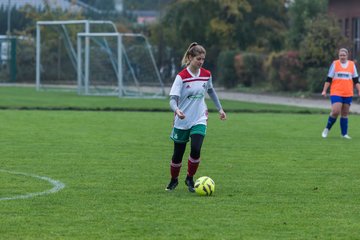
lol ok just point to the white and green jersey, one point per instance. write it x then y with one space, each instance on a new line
191 90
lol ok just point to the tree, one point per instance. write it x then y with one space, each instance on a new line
18 20
208 22
322 41
264 28
145 4
301 12
50 56
106 5
319 47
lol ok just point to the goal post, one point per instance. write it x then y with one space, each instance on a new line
93 58
118 64
56 50
83 71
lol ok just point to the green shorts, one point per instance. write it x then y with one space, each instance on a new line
182 136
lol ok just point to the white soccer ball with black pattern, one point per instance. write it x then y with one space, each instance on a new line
204 186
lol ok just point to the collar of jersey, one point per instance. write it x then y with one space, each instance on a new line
193 75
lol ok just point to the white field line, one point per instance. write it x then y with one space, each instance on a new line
57 186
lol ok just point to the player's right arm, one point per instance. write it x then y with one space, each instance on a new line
174 106
326 86
330 76
175 93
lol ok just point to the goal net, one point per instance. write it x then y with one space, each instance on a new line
117 64
92 58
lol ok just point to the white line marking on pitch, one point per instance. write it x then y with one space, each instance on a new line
57 186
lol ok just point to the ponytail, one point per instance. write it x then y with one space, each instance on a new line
193 50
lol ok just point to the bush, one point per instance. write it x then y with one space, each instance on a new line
249 68
25 56
226 71
285 71
315 78
321 43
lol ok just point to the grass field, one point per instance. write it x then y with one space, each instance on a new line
276 178
28 98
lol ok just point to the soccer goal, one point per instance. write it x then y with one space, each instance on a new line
92 58
117 64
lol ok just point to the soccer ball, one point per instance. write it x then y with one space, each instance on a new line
204 186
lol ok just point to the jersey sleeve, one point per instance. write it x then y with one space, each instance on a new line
210 84
331 72
355 72
176 87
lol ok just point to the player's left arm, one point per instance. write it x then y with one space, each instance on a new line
214 97
356 80
217 103
357 85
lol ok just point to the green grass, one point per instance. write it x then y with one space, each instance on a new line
275 178
29 98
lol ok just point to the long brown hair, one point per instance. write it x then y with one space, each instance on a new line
193 50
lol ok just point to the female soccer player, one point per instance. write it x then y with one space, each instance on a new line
341 79
187 100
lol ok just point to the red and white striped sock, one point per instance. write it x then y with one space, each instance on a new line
175 170
193 165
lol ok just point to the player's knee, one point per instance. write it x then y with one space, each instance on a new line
176 159
195 153
335 113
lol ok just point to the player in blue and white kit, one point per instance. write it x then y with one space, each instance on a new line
187 100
